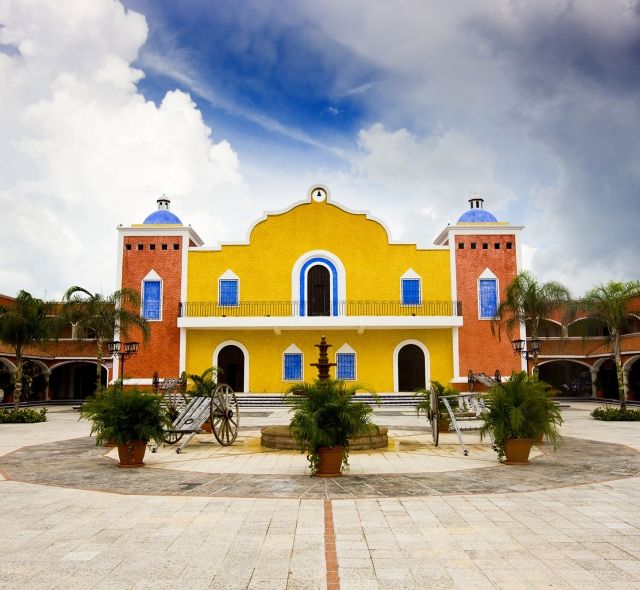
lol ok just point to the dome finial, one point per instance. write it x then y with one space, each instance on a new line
163 203
476 201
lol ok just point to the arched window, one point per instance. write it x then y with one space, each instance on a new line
488 298
228 289
152 296
292 364
318 284
346 363
411 288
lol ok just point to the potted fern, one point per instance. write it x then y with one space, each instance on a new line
423 403
128 417
520 410
324 418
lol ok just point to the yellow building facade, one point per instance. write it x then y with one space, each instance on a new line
360 308
392 312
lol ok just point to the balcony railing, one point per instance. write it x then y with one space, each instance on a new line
200 309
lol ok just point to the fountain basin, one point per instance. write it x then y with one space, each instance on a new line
279 437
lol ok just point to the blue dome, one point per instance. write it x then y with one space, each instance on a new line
162 216
477 215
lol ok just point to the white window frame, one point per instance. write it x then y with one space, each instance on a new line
293 349
487 275
229 275
410 274
346 349
152 276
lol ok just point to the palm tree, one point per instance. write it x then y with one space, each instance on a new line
27 322
103 315
609 305
529 302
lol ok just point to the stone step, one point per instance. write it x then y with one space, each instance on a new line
276 400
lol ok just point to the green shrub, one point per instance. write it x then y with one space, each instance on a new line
610 414
520 408
125 415
325 415
23 416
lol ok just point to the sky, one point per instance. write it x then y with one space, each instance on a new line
403 108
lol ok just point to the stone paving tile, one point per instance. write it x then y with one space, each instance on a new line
78 463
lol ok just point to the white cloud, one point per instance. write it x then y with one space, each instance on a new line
434 175
540 97
85 150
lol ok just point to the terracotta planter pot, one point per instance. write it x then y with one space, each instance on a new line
517 451
443 426
207 427
330 462
131 454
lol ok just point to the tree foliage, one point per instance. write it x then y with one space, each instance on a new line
609 305
102 315
529 302
28 321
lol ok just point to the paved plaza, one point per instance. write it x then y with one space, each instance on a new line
408 516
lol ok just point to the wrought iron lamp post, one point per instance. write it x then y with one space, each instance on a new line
530 353
122 350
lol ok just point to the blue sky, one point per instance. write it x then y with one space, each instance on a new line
402 108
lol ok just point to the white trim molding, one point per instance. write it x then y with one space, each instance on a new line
487 274
151 276
427 362
346 349
244 350
293 349
298 293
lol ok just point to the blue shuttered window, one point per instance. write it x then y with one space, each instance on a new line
488 298
346 365
228 291
151 300
410 291
292 366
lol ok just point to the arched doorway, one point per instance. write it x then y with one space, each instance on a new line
607 379
411 368
74 380
318 291
6 378
34 381
567 377
633 379
231 365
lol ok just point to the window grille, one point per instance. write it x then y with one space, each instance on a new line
151 300
228 292
488 298
346 366
410 291
292 366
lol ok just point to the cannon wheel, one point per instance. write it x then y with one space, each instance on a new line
171 438
433 415
470 380
225 417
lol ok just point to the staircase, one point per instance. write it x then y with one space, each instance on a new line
275 400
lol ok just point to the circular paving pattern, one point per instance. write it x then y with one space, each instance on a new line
78 463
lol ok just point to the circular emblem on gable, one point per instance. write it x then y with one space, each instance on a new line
319 194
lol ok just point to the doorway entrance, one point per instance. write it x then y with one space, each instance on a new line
411 368
319 291
231 365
